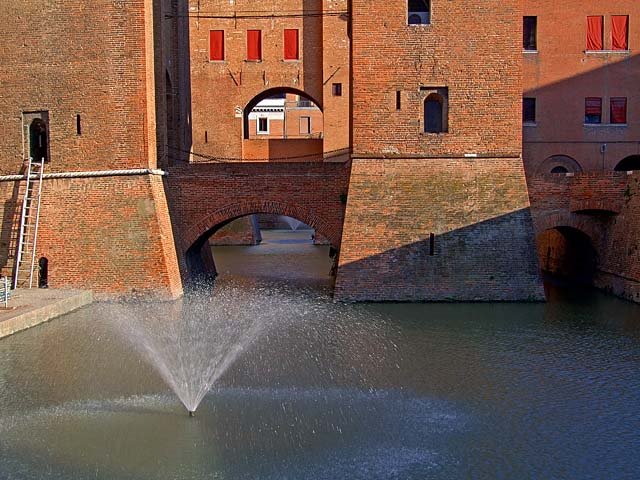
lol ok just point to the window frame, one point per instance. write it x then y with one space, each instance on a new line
420 13
535 34
211 38
586 115
260 52
308 120
601 49
284 45
525 120
258 130
626 113
626 49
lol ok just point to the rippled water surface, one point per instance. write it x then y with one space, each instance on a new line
330 391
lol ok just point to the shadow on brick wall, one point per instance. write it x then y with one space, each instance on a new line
493 260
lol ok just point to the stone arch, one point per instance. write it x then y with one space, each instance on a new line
568 252
632 162
266 94
581 223
195 238
559 163
215 220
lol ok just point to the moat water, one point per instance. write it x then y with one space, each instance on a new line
332 391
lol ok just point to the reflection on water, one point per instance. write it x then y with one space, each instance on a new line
406 391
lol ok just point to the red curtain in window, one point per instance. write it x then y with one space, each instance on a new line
291 44
594 33
216 45
254 45
619 32
618 110
593 106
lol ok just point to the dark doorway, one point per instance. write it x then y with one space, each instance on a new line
38 140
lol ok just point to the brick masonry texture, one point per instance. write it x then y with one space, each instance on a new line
205 197
604 207
407 185
478 212
324 60
561 74
138 73
111 235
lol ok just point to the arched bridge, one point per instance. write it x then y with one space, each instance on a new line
595 211
205 197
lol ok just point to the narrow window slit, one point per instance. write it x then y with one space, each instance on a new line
78 125
432 244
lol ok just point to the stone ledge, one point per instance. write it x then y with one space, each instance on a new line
31 307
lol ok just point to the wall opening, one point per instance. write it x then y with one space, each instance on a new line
265 248
628 164
567 253
281 124
38 140
43 273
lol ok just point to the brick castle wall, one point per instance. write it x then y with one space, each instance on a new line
561 74
110 234
478 212
601 207
407 185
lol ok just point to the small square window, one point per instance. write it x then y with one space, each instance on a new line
593 110
419 12
618 114
529 110
263 125
305 125
336 89
530 33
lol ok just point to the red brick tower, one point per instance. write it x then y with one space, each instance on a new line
438 206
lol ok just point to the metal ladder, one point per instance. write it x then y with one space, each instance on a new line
28 232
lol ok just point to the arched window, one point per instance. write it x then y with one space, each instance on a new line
433 114
419 12
629 163
38 141
559 169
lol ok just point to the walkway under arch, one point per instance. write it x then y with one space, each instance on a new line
268 94
205 197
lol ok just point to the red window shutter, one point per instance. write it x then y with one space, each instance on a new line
593 106
618 110
620 32
291 44
216 45
594 33
254 45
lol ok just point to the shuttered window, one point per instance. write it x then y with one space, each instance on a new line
291 51
254 45
216 45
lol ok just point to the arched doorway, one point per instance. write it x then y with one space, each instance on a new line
282 124
567 253
632 162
